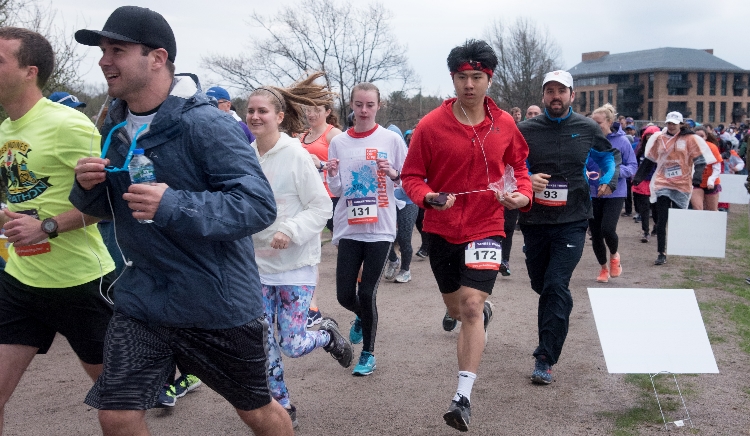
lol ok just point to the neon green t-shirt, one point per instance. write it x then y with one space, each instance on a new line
38 154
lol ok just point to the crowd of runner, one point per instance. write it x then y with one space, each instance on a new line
211 271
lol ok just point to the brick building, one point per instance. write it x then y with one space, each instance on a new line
648 84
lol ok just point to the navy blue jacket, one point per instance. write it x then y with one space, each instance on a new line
194 266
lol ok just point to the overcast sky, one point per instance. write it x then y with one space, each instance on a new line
430 28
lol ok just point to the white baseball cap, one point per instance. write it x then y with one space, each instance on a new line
674 118
559 76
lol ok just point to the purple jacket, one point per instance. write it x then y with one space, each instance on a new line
627 169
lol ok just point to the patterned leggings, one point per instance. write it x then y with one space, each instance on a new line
289 305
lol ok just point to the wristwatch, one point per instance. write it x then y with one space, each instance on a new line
49 226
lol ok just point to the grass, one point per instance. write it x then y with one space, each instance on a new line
712 273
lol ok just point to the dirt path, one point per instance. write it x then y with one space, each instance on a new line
416 374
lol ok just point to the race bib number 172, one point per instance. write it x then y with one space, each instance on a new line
483 254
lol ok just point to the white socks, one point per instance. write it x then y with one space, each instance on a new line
465 383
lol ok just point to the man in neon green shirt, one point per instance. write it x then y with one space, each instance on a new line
58 270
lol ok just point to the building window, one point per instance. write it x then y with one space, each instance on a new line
678 106
651 86
651 110
601 98
711 83
738 86
701 84
748 109
737 112
678 84
699 112
609 96
591 101
723 83
711 111
582 108
723 112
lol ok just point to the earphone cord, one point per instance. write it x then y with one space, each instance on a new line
481 145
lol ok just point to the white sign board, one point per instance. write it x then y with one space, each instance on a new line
647 331
700 233
733 189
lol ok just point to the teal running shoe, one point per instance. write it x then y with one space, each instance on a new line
366 364
355 333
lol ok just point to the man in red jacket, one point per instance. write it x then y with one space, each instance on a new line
460 148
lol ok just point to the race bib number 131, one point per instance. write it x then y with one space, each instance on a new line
362 210
483 254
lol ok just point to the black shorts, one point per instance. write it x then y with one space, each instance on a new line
706 191
31 316
139 358
449 267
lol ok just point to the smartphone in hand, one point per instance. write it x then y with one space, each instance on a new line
438 201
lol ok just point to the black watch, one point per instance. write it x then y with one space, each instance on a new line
49 226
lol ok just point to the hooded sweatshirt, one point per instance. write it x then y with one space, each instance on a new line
628 167
448 155
302 208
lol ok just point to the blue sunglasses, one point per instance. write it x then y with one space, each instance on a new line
124 167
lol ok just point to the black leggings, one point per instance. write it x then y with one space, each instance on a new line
406 218
604 226
663 204
361 299
643 207
425 239
511 218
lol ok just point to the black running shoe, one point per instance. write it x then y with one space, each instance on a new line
339 347
459 414
644 237
661 259
422 253
292 411
504 268
449 323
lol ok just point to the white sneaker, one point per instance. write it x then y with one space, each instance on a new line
391 268
403 276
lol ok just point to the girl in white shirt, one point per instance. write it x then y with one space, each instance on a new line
363 167
288 252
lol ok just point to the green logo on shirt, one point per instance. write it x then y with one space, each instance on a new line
19 182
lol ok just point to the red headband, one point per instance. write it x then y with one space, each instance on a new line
473 66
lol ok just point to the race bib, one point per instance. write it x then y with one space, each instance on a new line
555 194
362 210
673 171
483 254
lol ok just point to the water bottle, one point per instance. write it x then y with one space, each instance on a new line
141 170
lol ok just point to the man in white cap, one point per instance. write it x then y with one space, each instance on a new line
560 141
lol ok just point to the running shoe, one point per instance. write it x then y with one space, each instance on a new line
340 349
542 374
449 323
487 318
627 214
615 267
186 383
645 237
653 232
355 333
459 414
422 253
505 268
292 411
391 268
366 364
747 280
313 317
603 275
637 217
167 397
403 277
661 259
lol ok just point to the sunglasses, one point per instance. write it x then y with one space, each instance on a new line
124 167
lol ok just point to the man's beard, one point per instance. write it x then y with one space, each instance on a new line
554 113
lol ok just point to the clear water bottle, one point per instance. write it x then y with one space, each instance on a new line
141 170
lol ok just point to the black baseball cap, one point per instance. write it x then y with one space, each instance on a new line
133 24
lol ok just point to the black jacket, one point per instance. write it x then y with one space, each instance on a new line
560 147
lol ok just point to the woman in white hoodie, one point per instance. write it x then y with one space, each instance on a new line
288 252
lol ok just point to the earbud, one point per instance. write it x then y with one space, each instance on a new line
129 263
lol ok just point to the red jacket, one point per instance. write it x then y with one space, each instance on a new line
443 153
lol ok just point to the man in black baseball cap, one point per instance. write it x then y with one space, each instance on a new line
176 305
134 24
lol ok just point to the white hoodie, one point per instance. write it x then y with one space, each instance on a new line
302 208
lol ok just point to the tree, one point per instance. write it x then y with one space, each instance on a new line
404 111
351 44
525 53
